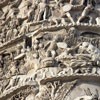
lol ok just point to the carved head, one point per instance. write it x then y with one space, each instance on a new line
84 45
72 31
28 3
90 7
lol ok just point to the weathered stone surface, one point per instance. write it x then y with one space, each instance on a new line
49 50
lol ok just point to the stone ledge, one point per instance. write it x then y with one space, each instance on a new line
81 26
85 77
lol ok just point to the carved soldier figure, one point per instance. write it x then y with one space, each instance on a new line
52 47
31 14
13 68
24 29
85 13
3 34
98 20
43 10
10 15
9 34
66 10
19 49
30 11
13 23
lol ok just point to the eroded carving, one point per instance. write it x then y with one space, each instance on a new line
49 49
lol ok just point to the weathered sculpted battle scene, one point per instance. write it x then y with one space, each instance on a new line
49 49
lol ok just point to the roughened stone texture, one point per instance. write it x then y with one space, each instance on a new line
49 49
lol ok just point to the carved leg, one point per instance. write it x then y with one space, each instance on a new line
83 2
10 84
71 1
6 37
91 20
98 20
6 21
71 19
45 14
56 1
44 73
27 27
63 22
80 18
40 15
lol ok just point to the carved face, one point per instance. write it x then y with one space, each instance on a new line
72 31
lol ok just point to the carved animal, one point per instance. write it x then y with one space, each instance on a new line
49 49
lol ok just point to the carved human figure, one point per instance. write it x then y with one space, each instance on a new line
72 32
52 19
12 5
13 68
85 14
30 12
94 52
9 15
24 29
52 47
12 82
19 48
18 80
9 35
3 34
82 58
66 10
43 10
14 22
98 20
48 91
